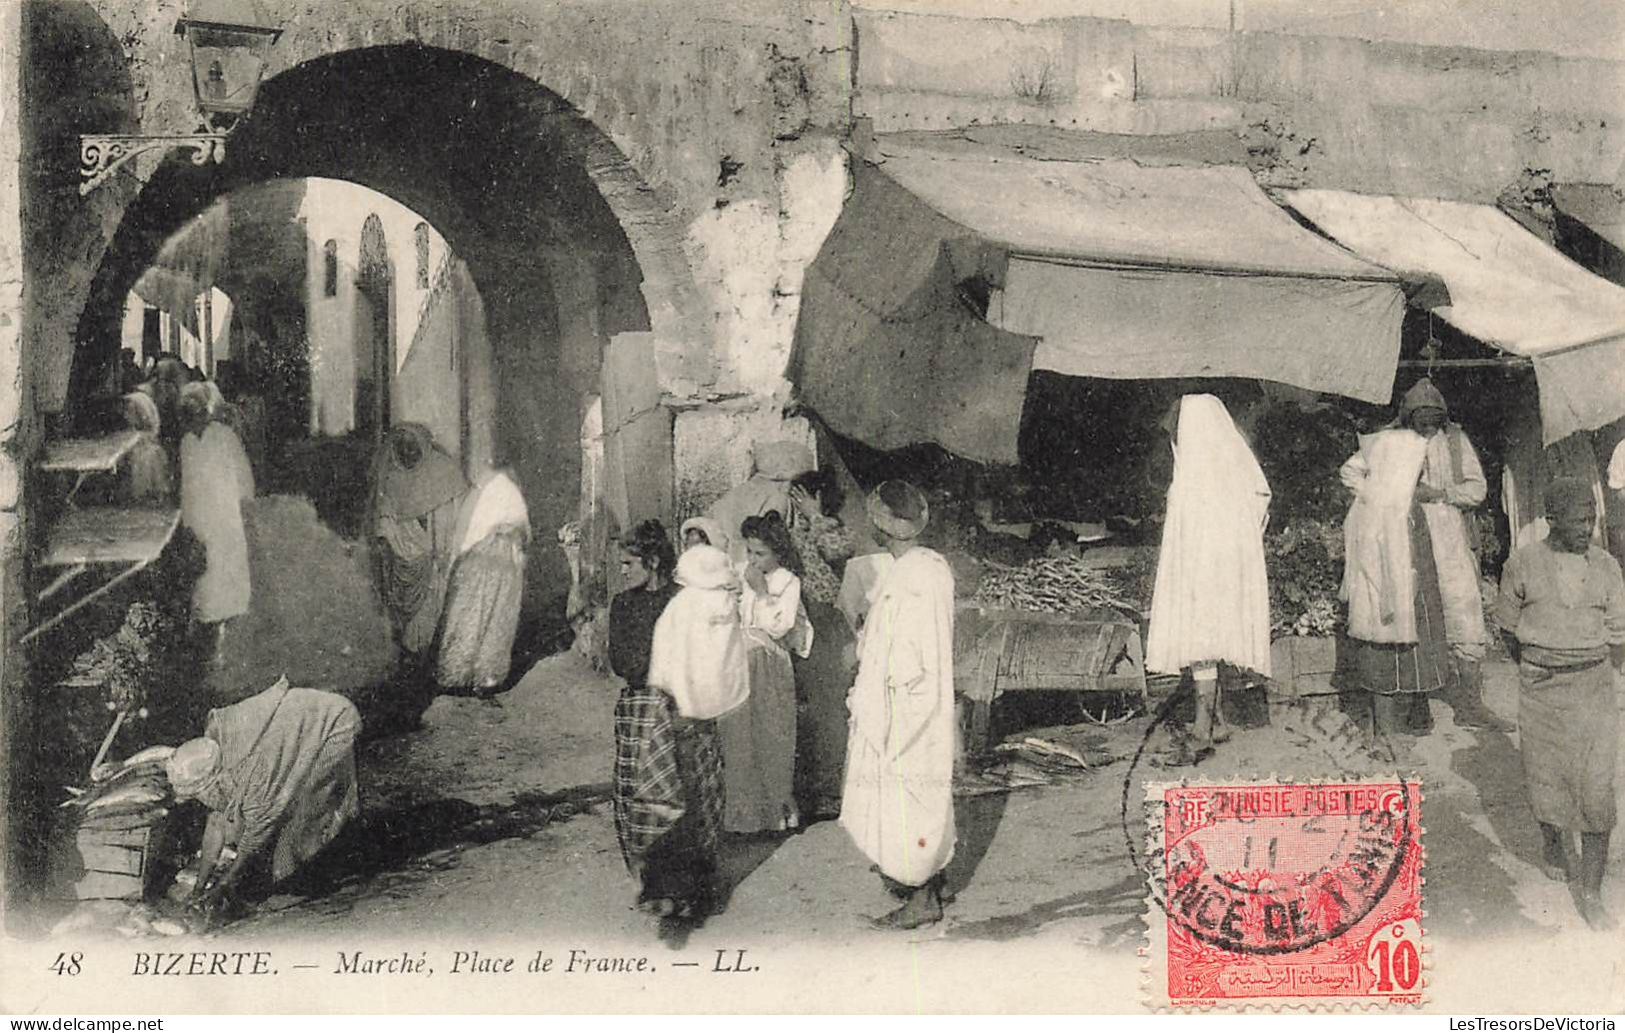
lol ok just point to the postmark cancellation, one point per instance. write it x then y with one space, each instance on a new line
1279 893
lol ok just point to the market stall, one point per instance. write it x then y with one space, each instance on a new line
121 541
953 274
1508 289
959 276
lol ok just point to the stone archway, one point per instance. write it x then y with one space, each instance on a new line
507 171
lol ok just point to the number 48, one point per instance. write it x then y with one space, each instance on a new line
67 964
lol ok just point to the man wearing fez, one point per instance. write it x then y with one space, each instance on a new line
1562 615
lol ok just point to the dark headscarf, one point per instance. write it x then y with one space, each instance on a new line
432 479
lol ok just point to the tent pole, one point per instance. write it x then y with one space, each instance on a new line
1503 362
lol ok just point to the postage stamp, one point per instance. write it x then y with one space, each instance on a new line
1283 893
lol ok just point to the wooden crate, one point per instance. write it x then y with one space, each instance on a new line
115 862
999 651
1303 665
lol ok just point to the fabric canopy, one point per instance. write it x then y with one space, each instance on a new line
1104 268
1507 288
190 262
887 351
175 293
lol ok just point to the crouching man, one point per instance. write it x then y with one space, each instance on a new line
1562 614
277 774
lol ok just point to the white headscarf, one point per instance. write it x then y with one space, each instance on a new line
494 504
714 534
698 656
141 413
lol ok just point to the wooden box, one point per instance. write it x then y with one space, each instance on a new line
115 863
1303 666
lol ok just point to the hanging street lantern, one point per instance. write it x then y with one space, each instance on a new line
229 44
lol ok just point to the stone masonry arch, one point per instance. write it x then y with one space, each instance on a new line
669 93
505 170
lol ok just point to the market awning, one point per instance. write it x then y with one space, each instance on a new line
125 540
1105 268
1507 288
190 262
172 292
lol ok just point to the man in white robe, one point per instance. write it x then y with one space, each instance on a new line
897 802
216 480
1211 601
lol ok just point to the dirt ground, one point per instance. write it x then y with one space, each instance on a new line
491 824
493 819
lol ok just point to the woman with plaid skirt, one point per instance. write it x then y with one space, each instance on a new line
668 765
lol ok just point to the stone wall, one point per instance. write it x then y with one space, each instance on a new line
1317 111
718 149
709 107
14 440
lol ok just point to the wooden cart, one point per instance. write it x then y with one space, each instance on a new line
998 651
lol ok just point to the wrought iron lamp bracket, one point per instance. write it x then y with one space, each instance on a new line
102 155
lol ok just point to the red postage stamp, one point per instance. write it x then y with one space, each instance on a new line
1285 893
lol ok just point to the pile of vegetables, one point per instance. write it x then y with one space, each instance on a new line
1056 583
1304 559
121 672
1305 563
118 664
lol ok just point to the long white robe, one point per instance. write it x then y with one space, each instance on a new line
898 803
1379 580
215 481
1211 600
1447 530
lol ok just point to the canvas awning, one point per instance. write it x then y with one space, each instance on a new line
1100 268
172 292
1507 288
191 261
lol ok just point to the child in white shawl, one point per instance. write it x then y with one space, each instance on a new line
698 656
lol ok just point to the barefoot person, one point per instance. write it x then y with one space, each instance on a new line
898 801
1211 599
1562 615
1450 487
1397 650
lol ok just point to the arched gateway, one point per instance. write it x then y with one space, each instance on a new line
520 184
